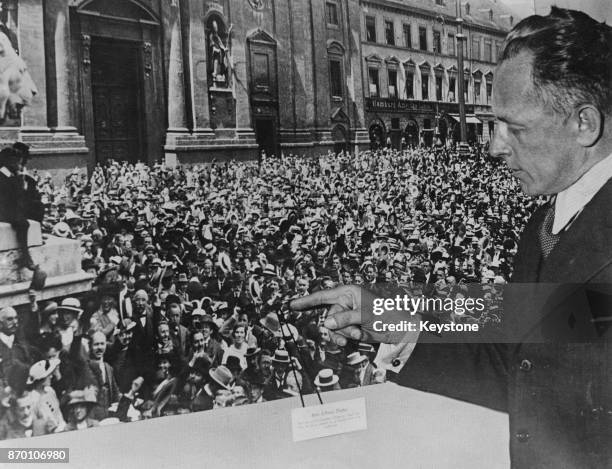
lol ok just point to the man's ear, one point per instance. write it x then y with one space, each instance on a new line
590 125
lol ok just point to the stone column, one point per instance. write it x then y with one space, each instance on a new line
60 82
32 50
177 119
194 42
240 80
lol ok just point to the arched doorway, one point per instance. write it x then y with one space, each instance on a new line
122 105
340 139
377 135
411 134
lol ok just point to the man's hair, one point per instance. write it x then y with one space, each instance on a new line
572 58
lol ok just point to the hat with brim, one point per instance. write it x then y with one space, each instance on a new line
270 322
252 351
222 376
355 358
42 369
365 348
254 288
224 262
281 356
82 396
70 305
126 326
325 377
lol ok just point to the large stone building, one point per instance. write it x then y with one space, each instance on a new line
189 80
193 80
409 50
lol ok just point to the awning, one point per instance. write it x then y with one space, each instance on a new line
468 119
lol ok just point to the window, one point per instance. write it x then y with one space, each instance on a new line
407 36
466 84
370 29
392 81
476 48
395 123
389 33
261 69
497 50
422 38
332 13
427 124
465 47
437 42
335 72
373 80
440 2
452 85
489 91
451 44
467 8
438 88
409 85
425 87
477 91
488 52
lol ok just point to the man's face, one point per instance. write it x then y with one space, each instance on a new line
195 378
164 332
174 315
23 408
98 346
125 337
140 303
265 363
536 144
107 304
198 341
8 321
206 330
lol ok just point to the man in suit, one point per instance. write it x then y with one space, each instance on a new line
108 391
553 103
13 203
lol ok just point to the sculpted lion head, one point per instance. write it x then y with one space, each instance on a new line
16 85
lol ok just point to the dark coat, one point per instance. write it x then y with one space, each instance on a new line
555 383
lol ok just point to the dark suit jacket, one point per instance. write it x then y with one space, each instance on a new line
555 378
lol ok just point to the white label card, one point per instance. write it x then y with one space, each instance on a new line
328 419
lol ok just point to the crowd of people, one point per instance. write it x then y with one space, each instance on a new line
194 267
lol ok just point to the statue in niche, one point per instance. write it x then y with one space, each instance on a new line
219 55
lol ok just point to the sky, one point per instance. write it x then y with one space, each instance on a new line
598 9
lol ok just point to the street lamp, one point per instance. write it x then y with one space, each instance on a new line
437 140
461 84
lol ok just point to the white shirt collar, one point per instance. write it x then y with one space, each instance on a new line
4 170
570 202
7 339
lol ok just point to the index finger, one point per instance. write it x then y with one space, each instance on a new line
322 297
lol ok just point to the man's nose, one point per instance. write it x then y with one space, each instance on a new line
498 147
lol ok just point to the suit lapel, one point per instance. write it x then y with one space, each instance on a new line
586 247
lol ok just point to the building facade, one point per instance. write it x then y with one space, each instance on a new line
194 80
187 80
410 68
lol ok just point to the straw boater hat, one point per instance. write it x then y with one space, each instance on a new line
326 378
355 358
281 356
70 305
